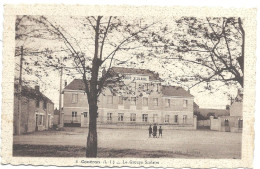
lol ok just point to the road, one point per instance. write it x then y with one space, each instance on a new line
203 144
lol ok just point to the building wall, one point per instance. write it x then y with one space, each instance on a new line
176 108
28 115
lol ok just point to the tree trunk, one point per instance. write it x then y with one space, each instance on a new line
91 150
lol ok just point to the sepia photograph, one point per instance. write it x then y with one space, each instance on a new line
110 86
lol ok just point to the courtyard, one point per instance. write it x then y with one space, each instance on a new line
71 142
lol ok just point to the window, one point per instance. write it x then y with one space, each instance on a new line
145 101
240 123
109 116
155 101
120 116
185 103
146 86
109 99
155 117
157 87
132 117
39 119
45 104
184 119
74 98
226 122
167 118
168 102
176 119
38 103
133 100
133 86
74 114
85 114
144 117
120 100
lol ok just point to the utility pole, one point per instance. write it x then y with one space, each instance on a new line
60 118
20 94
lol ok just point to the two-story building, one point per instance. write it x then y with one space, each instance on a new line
36 110
143 100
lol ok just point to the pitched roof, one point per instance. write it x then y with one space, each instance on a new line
31 93
76 84
217 112
175 91
152 75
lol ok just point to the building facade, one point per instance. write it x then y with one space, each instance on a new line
143 101
36 110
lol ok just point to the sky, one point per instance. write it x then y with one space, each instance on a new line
49 83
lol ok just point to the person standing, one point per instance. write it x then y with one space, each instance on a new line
160 131
155 131
150 131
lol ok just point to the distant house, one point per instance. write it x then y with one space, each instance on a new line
155 103
37 110
234 121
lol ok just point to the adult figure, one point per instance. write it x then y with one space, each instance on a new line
150 131
160 131
155 131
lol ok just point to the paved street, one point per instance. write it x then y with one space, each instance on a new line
201 144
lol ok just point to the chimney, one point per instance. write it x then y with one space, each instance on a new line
65 84
37 88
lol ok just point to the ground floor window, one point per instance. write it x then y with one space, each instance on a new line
240 123
226 122
85 114
176 119
120 116
144 117
184 119
155 117
132 117
109 116
39 119
167 119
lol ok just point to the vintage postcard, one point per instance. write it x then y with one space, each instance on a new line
113 86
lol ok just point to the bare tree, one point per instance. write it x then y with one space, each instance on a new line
105 38
212 47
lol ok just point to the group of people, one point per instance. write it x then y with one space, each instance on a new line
153 131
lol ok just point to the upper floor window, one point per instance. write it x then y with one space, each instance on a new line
133 100
120 100
145 101
168 102
240 123
74 114
45 105
74 98
146 86
155 101
157 87
38 103
133 86
185 103
109 99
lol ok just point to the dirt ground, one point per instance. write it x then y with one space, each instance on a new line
129 142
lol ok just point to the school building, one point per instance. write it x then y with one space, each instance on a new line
148 102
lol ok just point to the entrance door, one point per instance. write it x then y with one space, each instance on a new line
227 127
36 122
